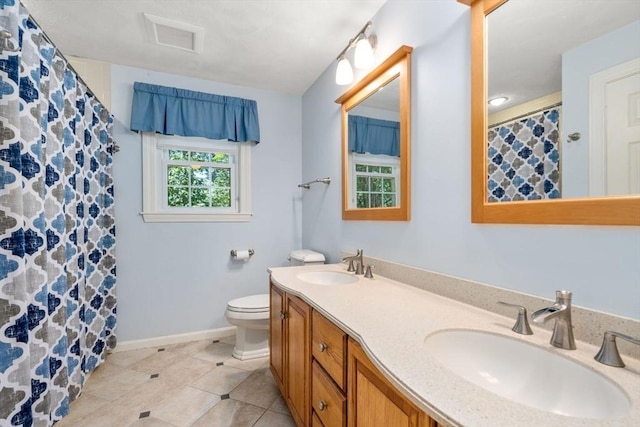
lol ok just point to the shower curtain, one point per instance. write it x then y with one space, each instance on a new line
523 158
57 232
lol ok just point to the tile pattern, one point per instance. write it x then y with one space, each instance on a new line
191 384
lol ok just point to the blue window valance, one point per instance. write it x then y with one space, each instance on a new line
173 111
374 136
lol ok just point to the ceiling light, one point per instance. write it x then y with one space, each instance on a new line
498 101
363 57
344 73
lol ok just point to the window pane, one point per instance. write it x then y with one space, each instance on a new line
389 185
362 183
221 177
200 176
386 169
178 175
178 155
221 158
389 200
376 200
178 196
200 197
200 156
376 184
374 168
222 197
361 168
363 200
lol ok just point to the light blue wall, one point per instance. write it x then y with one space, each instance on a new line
177 278
601 265
578 65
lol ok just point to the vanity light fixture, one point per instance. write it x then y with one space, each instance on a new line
363 57
498 101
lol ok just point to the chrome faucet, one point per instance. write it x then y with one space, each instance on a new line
562 336
608 353
359 267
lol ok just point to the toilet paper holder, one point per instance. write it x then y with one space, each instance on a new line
234 252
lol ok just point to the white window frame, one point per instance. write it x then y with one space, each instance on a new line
154 182
373 160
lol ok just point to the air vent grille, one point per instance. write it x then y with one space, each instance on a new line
176 34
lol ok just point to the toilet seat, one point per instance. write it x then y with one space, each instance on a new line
251 304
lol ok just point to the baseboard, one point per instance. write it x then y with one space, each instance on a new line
211 334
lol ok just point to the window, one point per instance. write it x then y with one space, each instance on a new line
375 179
188 179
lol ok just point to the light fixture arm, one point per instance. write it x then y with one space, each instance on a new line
354 40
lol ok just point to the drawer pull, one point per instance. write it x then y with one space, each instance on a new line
322 347
282 315
322 405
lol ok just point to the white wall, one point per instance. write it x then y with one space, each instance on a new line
601 265
578 65
176 278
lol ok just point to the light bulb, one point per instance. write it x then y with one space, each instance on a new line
363 57
498 101
344 72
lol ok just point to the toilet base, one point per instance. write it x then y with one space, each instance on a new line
251 343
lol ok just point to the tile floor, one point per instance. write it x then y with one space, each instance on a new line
194 384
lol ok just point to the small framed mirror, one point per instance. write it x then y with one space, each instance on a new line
376 139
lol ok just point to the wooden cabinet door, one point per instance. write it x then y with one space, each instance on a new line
372 399
276 336
298 359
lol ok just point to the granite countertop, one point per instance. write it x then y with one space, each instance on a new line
391 321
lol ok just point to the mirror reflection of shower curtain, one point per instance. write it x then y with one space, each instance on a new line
523 158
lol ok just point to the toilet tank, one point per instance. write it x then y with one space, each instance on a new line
305 257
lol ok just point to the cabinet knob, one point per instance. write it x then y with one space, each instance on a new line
322 347
282 315
322 405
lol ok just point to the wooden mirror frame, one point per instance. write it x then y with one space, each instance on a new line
398 65
611 210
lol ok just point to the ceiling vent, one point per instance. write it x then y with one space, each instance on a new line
167 32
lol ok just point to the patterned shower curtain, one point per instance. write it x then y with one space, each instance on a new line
57 232
523 158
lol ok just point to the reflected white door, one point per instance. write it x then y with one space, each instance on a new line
614 146
623 136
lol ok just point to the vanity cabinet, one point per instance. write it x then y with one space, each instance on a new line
373 400
325 377
289 344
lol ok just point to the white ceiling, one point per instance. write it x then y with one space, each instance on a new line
526 39
279 45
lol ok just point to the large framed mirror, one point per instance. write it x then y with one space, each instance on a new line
551 155
376 141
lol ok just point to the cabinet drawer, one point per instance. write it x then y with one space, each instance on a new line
327 401
329 347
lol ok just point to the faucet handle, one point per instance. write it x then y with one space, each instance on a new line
368 274
351 268
522 323
608 353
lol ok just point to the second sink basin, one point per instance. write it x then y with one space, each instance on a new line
527 374
327 278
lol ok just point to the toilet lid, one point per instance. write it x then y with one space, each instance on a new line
250 304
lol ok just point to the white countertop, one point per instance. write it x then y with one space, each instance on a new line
391 321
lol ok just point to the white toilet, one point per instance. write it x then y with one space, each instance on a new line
251 314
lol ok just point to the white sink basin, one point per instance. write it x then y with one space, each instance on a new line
329 278
527 374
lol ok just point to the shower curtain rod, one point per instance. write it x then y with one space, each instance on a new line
522 116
